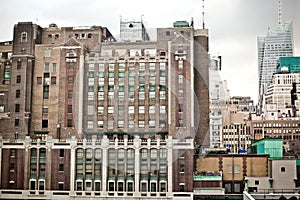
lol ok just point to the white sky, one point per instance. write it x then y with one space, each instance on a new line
233 25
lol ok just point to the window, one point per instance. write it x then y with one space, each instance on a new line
44 123
69 108
120 124
282 169
153 187
130 186
110 124
70 94
61 167
49 36
180 64
151 109
45 109
162 123
141 109
110 109
181 187
38 80
56 36
256 182
46 92
90 110
130 109
61 153
18 93
152 124
18 80
46 67
181 168
167 33
17 107
90 124
100 124
60 186
19 64
69 123
53 80
101 110
162 109
70 79
130 124
121 109
180 107
141 124
71 66
24 37
53 67
17 122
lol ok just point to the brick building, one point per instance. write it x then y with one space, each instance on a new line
92 116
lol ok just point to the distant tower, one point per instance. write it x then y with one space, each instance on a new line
277 43
203 13
279 13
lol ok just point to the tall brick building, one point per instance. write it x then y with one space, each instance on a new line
93 116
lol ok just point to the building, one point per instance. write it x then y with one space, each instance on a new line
5 67
106 118
277 43
282 93
287 130
236 124
218 96
225 172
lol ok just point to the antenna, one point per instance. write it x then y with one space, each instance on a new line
279 13
203 23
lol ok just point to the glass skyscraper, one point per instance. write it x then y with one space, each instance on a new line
276 44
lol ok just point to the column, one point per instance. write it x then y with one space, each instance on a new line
137 144
72 166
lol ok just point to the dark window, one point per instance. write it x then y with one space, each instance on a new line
256 182
70 94
111 187
60 186
130 187
18 93
89 35
181 188
17 107
181 168
19 64
69 108
180 109
18 79
56 36
53 80
282 169
44 123
120 186
17 122
61 153
39 80
61 167
167 33
49 36
69 123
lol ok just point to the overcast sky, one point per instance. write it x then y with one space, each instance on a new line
233 25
